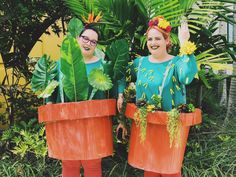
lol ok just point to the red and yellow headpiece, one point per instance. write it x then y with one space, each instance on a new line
160 23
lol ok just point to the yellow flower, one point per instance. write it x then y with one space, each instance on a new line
128 79
177 87
163 23
150 108
187 48
173 78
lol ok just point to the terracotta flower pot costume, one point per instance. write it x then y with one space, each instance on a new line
163 75
155 154
79 130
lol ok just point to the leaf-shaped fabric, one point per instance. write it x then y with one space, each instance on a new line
49 89
75 82
75 27
118 53
45 71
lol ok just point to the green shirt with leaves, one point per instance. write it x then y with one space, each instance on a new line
176 73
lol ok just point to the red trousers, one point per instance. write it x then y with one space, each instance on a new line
152 174
92 168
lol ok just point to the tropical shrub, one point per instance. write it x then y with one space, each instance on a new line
24 151
211 148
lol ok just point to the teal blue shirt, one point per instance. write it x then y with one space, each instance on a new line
149 77
89 67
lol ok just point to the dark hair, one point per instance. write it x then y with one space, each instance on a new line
89 27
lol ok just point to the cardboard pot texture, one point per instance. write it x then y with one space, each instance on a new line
79 130
155 154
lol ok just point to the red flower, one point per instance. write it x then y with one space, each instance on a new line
168 29
155 22
150 23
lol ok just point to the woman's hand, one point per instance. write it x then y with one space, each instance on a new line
183 32
120 101
124 130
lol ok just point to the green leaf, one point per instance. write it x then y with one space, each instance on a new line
118 53
75 27
45 71
107 66
75 81
49 89
79 8
202 76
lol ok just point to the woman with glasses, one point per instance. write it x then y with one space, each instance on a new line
87 41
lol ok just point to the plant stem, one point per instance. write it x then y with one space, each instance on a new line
94 91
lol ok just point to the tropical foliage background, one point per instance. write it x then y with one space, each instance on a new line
212 146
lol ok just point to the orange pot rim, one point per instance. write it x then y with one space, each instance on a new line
76 110
161 117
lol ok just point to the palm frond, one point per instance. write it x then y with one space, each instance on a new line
201 13
120 18
216 61
205 11
80 7
186 5
170 9
142 7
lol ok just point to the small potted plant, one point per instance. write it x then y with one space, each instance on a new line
78 127
168 129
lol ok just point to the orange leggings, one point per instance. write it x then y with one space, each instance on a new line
152 174
92 168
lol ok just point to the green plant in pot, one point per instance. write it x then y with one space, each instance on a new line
173 121
69 73
82 91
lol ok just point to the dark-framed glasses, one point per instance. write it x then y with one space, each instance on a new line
85 39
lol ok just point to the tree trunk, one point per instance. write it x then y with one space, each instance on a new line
231 109
222 91
222 85
199 94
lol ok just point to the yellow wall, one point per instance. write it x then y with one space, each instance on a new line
49 45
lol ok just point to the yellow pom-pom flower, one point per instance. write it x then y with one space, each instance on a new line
150 108
163 23
187 48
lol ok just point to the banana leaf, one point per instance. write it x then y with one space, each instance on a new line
75 27
45 71
75 81
118 53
